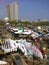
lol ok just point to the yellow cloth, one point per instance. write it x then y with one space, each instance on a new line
0 40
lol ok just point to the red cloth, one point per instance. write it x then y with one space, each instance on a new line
42 51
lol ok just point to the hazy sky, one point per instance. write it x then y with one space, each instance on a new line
28 9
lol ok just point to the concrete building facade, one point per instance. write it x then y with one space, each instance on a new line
12 11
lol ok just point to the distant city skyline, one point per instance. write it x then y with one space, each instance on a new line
28 9
12 11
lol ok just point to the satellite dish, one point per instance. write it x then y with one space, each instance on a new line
6 19
39 28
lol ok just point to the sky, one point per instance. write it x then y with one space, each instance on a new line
28 9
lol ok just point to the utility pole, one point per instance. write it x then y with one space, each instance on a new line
0 13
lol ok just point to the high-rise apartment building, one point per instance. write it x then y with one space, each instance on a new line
12 11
